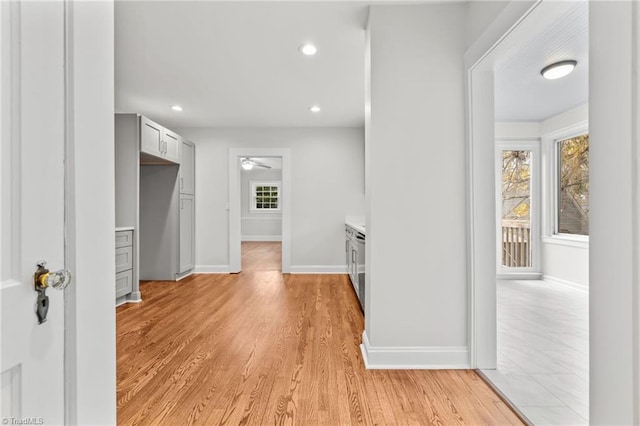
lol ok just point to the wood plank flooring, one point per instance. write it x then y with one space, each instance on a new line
261 256
261 348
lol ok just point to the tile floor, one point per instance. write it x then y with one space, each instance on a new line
543 351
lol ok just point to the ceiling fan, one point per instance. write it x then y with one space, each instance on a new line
250 163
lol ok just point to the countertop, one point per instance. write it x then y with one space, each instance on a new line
357 223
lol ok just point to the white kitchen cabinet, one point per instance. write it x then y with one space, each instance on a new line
187 167
124 263
149 178
151 138
187 233
158 145
172 144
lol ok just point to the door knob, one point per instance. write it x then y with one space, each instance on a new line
42 279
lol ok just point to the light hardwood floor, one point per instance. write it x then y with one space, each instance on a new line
265 348
543 351
261 256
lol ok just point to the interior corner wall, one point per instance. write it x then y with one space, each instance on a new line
258 225
327 177
416 223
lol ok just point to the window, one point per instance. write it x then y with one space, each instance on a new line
516 190
573 186
265 196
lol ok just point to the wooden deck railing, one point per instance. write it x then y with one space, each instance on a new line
516 246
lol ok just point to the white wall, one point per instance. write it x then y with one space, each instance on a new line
614 115
258 225
416 312
563 261
327 185
90 299
479 15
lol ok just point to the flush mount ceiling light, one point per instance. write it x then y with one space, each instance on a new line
558 70
314 108
176 107
308 49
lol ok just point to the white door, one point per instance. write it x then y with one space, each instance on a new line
32 130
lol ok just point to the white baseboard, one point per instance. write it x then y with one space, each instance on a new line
211 269
184 275
261 238
129 298
318 269
565 283
413 357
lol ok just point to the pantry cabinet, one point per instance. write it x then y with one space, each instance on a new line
155 201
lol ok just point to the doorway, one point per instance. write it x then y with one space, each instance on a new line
259 209
261 213
527 334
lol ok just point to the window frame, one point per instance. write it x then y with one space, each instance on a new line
551 168
253 195
533 145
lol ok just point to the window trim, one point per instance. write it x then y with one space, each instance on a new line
252 195
533 145
551 164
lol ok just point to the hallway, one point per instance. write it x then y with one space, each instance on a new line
261 256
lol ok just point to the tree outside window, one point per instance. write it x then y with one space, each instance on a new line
573 185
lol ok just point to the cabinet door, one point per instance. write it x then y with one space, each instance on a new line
187 167
151 137
187 233
171 146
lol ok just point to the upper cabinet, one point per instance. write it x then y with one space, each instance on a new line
172 144
157 144
187 167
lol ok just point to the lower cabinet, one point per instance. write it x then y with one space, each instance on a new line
124 263
187 232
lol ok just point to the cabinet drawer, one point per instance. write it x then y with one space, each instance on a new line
124 258
124 283
124 238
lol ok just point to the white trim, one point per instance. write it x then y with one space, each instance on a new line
123 300
510 28
519 276
318 269
413 357
183 275
565 240
565 283
211 269
261 238
234 205
549 142
262 217
535 203
252 195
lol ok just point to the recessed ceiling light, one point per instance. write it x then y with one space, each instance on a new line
176 107
308 49
558 70
314 108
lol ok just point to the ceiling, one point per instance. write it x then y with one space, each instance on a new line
522 94
237 64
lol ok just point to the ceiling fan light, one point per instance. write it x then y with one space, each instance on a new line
558 70
246 164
